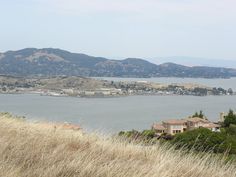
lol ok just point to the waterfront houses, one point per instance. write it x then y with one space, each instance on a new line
175 126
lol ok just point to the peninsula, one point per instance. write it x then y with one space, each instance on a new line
89 87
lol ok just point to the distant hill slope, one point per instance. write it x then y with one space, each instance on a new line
196 61
49 61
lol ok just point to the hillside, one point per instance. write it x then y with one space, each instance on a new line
197 61
41 149
49 61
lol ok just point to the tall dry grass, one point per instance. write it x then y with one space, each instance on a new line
41 150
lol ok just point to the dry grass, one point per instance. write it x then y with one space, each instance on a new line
34 150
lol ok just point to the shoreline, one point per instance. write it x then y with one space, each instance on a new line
110 96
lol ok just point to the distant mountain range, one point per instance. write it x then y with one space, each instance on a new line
51 62
195 61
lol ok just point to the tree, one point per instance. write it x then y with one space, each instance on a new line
4 89
230 118
200 114
230 91
195 115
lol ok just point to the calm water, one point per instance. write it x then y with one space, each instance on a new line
224 83
114 114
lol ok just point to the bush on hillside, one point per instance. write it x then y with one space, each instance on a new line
231 130
230 118
129 134
205 140
148 134
145 135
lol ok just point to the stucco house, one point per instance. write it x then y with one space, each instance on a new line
196 122
175 126
159 128
213 127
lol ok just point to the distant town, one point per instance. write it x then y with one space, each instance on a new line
88 87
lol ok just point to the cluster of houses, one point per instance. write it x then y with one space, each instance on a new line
101 92
175 126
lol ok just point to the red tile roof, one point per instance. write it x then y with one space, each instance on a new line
197 119
211 125
158 127
175 121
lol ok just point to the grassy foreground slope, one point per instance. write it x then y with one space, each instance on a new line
39 149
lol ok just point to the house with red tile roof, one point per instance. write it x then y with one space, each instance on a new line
175 126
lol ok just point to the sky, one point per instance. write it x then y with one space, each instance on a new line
122 28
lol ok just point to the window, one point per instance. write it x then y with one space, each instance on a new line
176 131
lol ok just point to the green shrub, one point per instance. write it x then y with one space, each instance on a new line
136 135
121 133
205 140
231 129
129 134
148 134
230 118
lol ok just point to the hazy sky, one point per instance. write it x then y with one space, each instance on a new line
122 28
